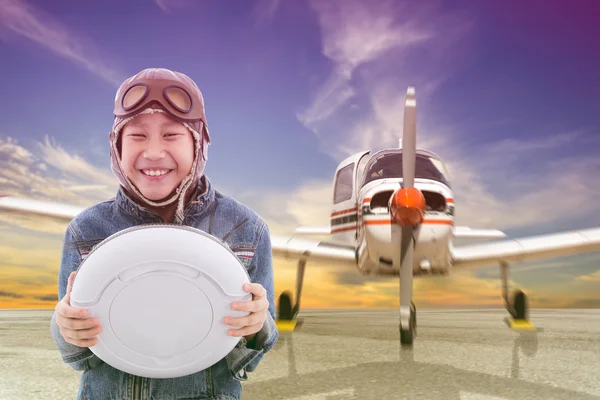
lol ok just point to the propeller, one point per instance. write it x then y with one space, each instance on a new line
407 209
409 139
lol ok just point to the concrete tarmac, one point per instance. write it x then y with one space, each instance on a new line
355 354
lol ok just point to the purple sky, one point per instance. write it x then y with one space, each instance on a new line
508 96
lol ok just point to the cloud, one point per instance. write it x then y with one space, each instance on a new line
585 303
29 264
265 10
353 278
553 263
595 277
489 191
48 297
309 204
170 6
494 189
17 17
74 166
370 47
353 35
48 172
376 51
9 294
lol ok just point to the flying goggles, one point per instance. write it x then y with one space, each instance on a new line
178 100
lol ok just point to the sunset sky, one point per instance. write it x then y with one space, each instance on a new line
507 94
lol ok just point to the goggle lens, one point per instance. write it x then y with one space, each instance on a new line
134 96
178 98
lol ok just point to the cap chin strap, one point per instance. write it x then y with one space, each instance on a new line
184 186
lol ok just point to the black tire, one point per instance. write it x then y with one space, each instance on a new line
407 337
520 305
284 311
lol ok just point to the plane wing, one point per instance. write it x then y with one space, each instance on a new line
285 247
313 230
293 248
459 232
527 249
57 211
469 256
466 232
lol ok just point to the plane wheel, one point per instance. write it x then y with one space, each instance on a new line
408 336
520 305
414 314
284 311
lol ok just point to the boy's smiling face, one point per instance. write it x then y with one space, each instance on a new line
157 152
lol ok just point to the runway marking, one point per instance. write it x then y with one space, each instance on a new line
326 395
477 396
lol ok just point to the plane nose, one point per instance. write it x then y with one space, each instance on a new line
407 206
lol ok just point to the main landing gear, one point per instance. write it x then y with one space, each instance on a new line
518 308
286 314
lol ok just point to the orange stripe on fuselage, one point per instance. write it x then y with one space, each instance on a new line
348 228
448 200
348 210
425 222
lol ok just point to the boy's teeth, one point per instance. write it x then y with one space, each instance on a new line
155 172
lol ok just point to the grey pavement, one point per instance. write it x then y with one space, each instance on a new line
355 354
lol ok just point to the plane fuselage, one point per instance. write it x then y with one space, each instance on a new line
369 227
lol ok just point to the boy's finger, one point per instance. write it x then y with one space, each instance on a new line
251 306
70 282
248 320
79 324
83 342
256 289
71 312
82 334
245 331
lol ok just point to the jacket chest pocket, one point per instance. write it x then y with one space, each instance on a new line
85 247
245 254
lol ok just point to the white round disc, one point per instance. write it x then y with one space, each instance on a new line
161 293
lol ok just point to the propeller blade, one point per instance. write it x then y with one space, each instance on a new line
409 139
407 207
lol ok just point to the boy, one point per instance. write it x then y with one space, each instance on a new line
158 148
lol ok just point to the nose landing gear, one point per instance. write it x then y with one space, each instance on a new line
408 335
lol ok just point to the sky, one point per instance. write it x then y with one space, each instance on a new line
507 97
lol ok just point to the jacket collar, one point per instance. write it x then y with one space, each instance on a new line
205 196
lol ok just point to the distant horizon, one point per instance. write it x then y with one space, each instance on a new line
468 307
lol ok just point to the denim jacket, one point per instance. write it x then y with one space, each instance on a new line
219 215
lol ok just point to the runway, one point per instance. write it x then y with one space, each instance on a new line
355 354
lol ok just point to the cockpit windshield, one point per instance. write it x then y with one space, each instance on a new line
389 165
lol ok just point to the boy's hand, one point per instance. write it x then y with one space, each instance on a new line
258 307
73 324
